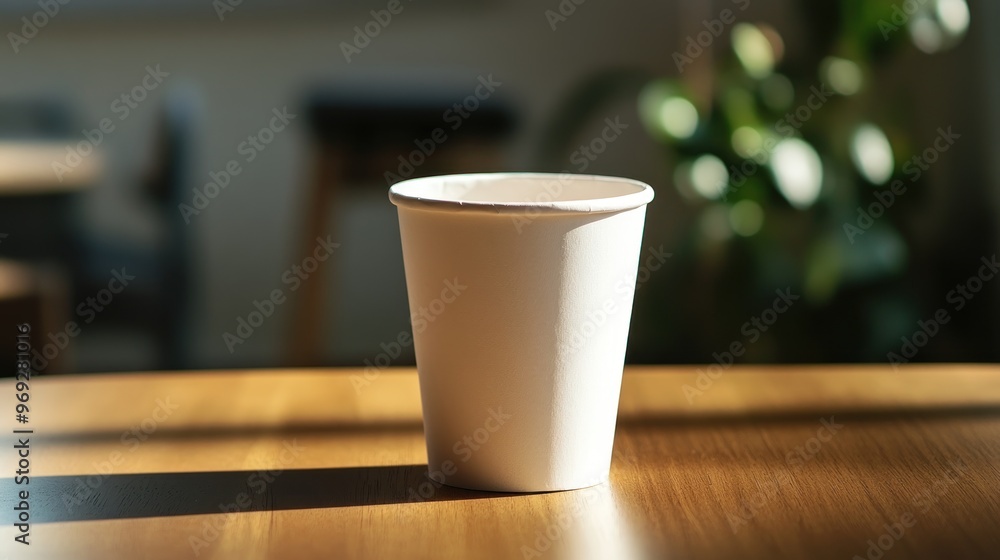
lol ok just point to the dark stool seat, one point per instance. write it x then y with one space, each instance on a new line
378 136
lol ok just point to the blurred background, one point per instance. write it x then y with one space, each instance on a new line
200 184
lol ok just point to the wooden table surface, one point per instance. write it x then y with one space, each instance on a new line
26 168
763 462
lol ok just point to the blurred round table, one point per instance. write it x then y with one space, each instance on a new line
30 168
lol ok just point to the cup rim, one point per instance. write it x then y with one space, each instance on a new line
617 203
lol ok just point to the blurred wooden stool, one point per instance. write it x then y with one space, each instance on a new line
360 140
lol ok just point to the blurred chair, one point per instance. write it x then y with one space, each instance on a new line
362 135
37 220
156 305
37 204
168 184
36 118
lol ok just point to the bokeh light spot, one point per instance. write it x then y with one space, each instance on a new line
872 154
797 171
753 49
709 176
842 75
746 141
954 16
939 24
678 117
926 34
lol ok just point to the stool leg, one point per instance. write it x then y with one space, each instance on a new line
306 335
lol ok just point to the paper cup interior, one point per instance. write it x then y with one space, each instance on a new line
520 192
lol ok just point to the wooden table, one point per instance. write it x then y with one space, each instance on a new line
26 168
766 462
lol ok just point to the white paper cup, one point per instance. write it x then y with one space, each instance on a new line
520 288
